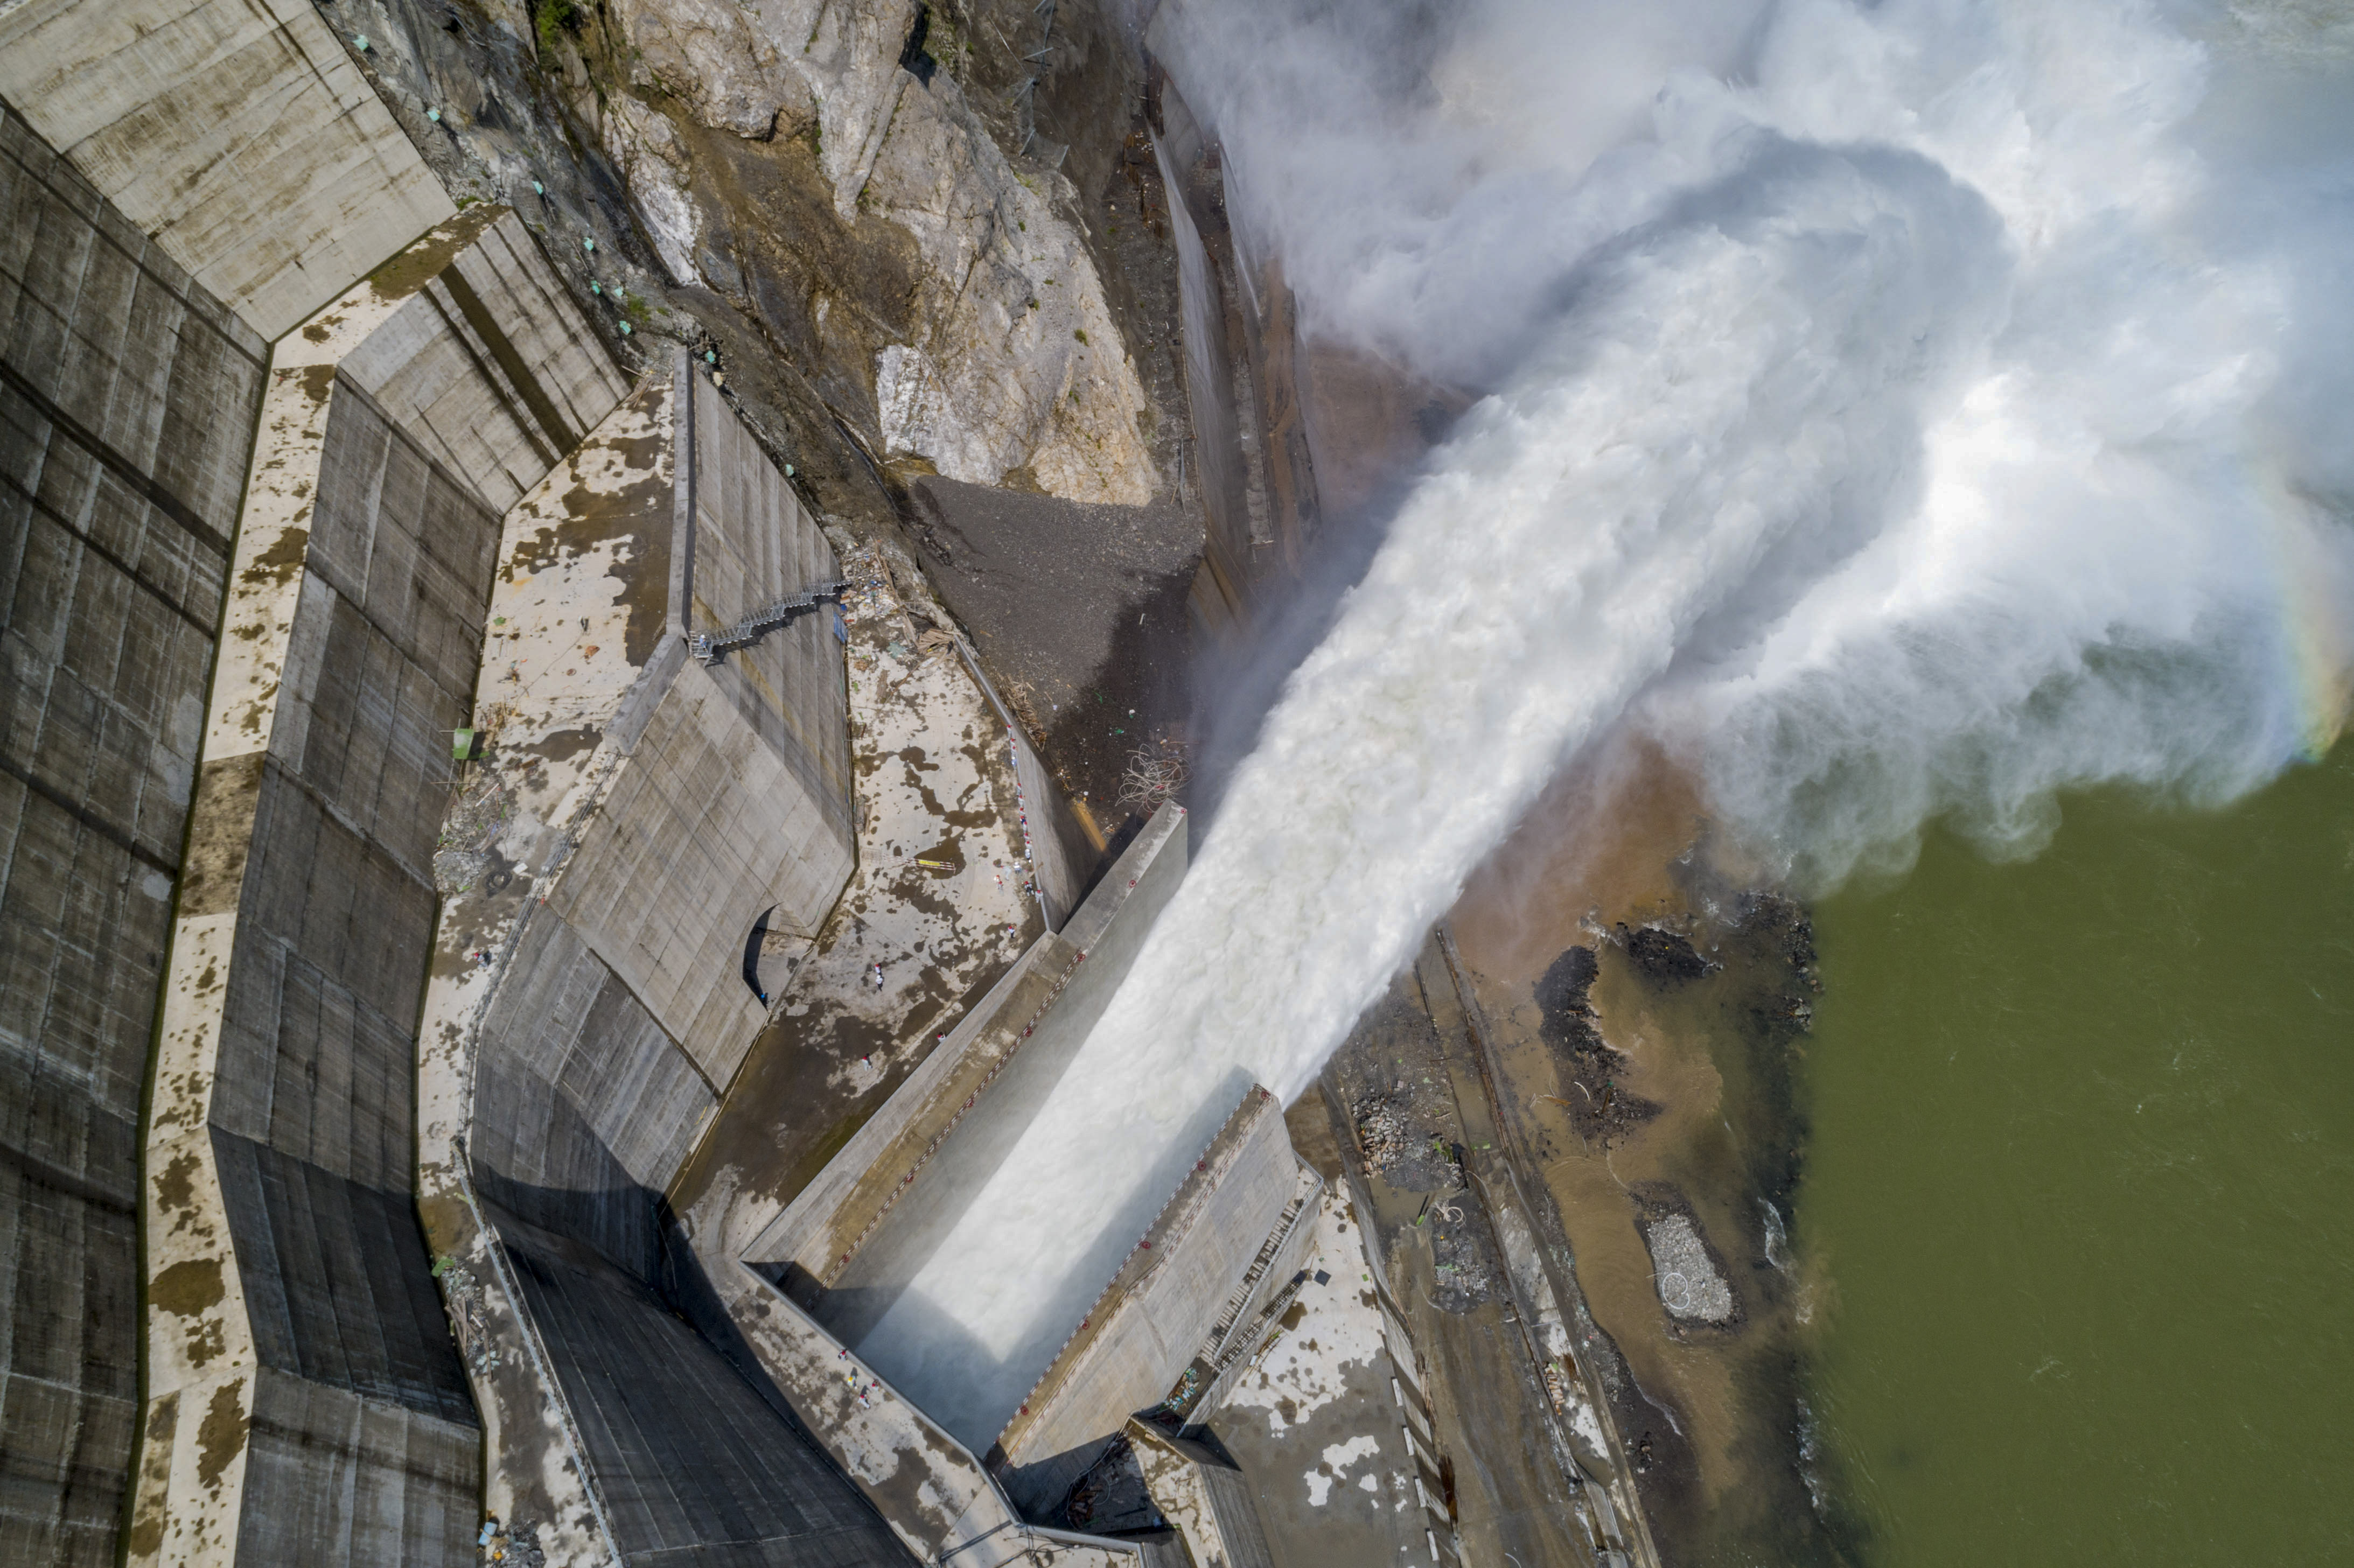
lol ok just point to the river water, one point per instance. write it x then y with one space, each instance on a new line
2078 1197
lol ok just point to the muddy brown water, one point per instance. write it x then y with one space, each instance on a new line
2063 1151
1646 1016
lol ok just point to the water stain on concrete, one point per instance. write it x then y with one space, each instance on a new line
175 1189
282 560
187 1288
220 1436
422 262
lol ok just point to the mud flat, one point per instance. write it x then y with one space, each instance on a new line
1644 1014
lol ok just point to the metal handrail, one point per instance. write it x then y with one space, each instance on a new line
707 646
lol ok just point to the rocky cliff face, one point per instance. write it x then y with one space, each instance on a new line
873 212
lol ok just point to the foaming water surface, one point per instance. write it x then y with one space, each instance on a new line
1898 413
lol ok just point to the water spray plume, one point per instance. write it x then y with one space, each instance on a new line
1892 412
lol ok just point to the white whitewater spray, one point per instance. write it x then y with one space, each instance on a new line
1907 430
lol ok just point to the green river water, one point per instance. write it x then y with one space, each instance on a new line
2080 1187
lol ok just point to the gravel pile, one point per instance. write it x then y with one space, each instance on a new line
1690 1287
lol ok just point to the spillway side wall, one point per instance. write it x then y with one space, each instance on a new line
1140 1334
921 1217
127 401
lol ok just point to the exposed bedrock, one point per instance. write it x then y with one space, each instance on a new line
890 247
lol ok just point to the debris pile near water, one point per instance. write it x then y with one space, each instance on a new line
1466 1270
1690 1285
1154 773
1387 1138
1663 957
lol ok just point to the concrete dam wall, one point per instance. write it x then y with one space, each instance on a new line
391 898
306 1397
242 137
636 821
280 1143
128 394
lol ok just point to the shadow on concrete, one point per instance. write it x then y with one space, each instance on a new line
696 1455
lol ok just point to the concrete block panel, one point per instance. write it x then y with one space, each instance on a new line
285 1252
333 1478
127 397
753 545
406 543
337 1282
467 342
695 1462
239 134
696 841
470 344
69 1261
583 1106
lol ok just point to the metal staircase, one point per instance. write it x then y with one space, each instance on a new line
1217 1343
707 646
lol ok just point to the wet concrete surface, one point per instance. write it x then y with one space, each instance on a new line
1508 1474
1315 1424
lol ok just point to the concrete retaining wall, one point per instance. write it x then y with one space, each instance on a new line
633 817
127 400
735 799
238 133
1062 861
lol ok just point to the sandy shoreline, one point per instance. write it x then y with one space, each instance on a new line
1646 1016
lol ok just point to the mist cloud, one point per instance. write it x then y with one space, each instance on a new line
1900 412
